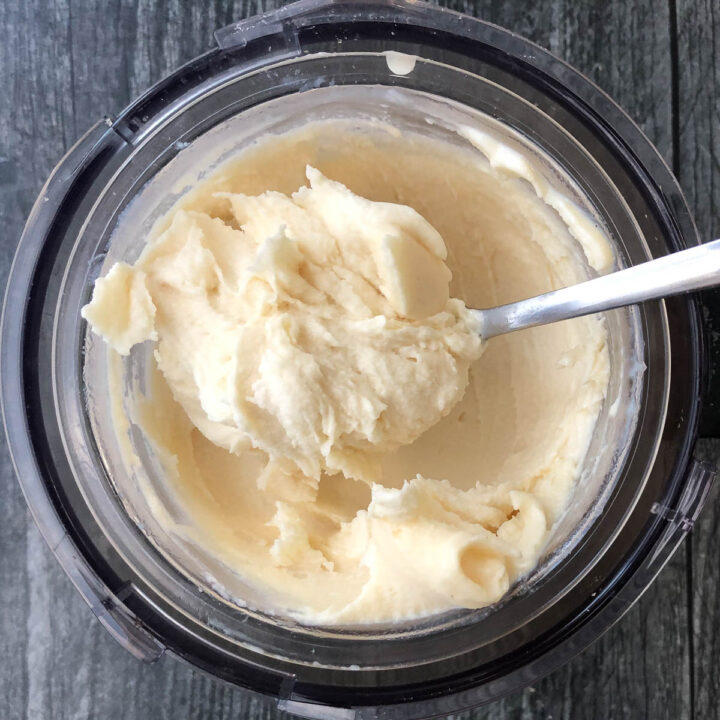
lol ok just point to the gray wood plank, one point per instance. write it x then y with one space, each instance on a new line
68 63
698 24
698 125
698 166
34 106
704 590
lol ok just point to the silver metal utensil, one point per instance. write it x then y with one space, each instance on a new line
679 272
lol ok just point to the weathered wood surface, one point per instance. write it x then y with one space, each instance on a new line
697 165
64 64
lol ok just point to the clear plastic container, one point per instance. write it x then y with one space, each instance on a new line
641 488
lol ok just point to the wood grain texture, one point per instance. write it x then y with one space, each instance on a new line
704 589
698 143
64 64
698 168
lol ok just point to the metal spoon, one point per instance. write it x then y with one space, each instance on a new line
679 272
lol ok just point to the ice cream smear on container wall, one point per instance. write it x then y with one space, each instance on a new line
322 404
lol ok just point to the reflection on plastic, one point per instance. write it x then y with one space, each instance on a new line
108 609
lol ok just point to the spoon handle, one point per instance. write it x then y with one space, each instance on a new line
693 269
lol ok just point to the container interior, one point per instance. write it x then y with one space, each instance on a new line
141 486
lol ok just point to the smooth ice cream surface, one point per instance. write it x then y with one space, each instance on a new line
324 408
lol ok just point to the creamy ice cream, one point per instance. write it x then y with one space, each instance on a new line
317 328
312 406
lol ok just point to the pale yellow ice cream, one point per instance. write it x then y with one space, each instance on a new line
317 327
311 407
